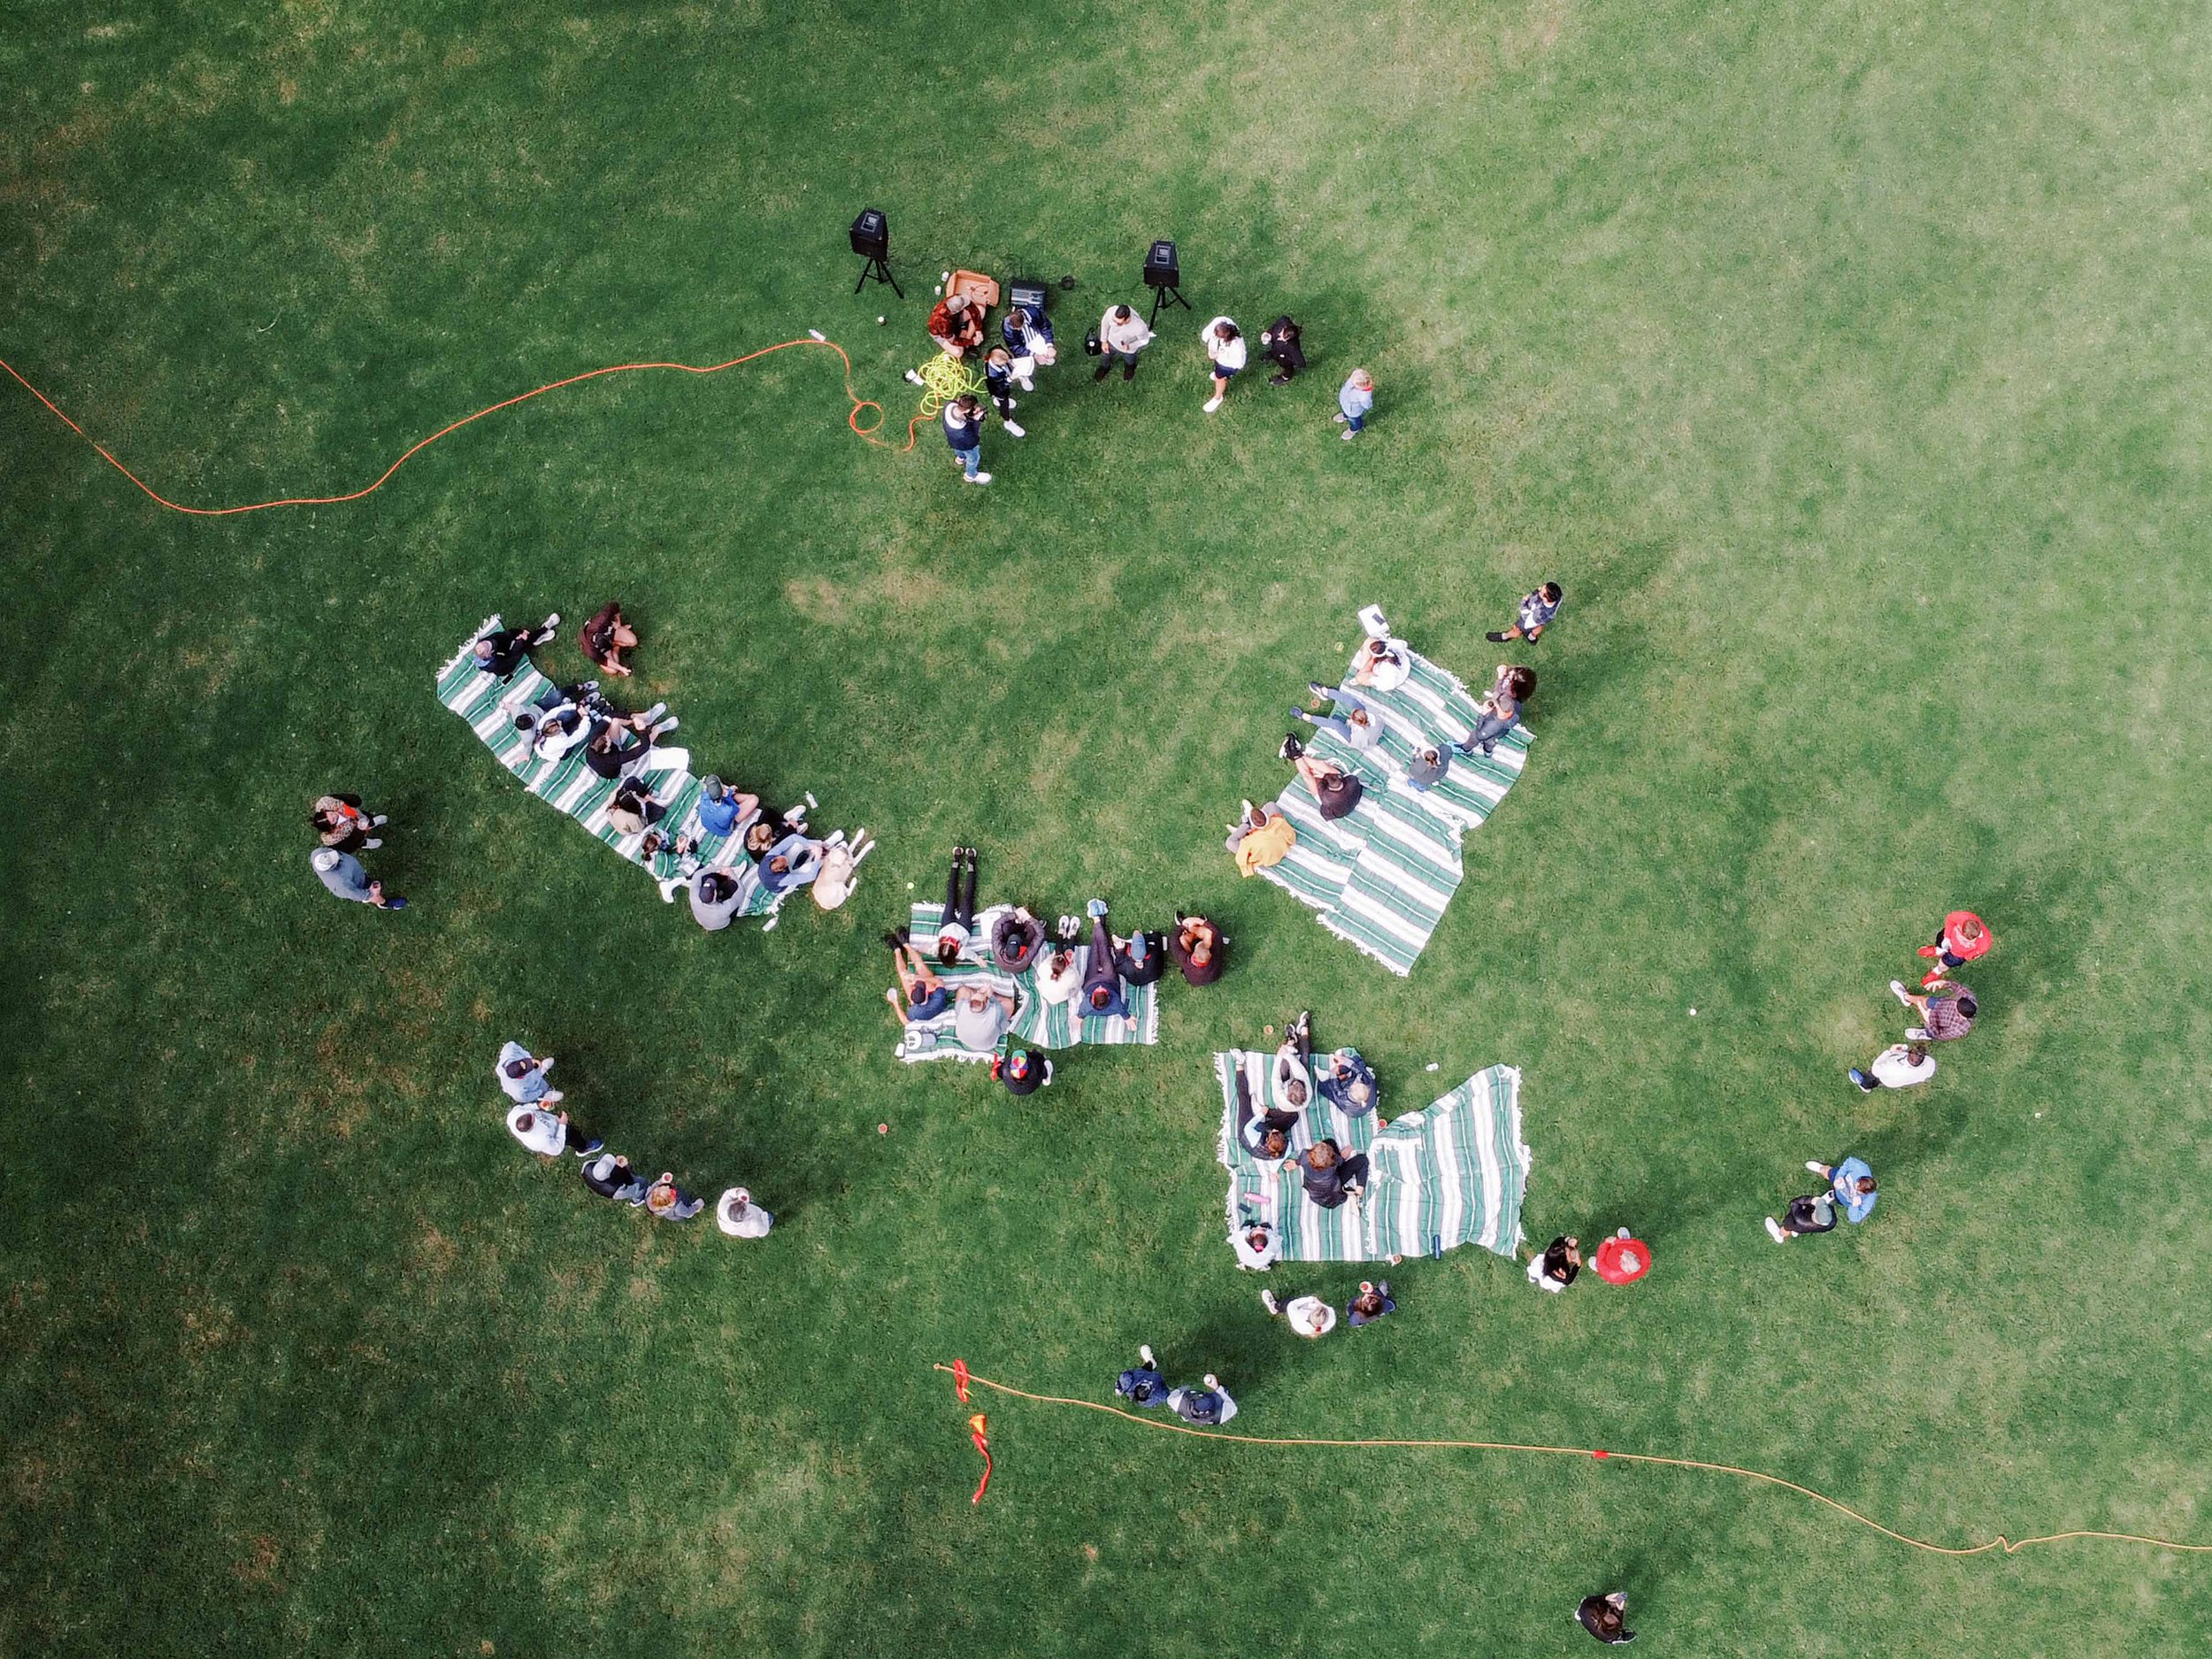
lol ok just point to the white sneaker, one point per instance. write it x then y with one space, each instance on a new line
1027 386
1013 431
1774 1231
1818 1168
1917 1033
1212 403
1247 817
372 844
552 620
916 379
978 478
1268 1301
1340 418
1347 436
1144 1353
1013 403
1897 990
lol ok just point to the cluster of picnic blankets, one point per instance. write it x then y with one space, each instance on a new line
489 704
1381 875
1034 1022
1452 1174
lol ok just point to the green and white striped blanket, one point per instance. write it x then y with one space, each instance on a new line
1454 1173
1381 875
489 705
1034 1023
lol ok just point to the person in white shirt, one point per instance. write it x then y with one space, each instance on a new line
1901 1065
1059 979
1308 1316
1225 351
737 1214
548 1134
1122 334
521 1075
1256 1246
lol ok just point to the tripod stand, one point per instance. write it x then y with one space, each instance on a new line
1164 294
882 273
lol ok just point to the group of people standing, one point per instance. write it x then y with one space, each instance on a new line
956 325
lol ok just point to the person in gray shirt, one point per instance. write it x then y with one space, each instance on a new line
342 874
980 1017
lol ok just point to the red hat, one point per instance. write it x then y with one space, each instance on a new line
1621 1260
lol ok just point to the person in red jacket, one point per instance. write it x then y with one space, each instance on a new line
1964 938
956 325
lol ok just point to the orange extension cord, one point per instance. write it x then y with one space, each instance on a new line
852 420
2000 1541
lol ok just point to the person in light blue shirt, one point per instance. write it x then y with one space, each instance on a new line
1853 1184
1354 400
1850 1188
721 808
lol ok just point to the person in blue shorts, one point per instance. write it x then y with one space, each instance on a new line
920 994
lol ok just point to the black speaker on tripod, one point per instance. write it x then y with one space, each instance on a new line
872 241
1164 275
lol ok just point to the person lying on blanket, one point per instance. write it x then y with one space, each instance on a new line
792 862
1196 946
1501 707
1104 997
505 649
1265 1133
1330 1177
1357 721
956 919
978 1017
1059 979
920 994
1337 790
1260 838
1382 663
1347 1083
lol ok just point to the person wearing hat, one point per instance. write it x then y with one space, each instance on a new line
1142 958
667 1202
342 874
549 1134
521 1075
611 1177
1256 1246
722 808
1348 1084
1622 1259
1198 951
1209 1407
1023 1071
502 651
1606 1617
737 1214
1554 1267
1016 939
715 899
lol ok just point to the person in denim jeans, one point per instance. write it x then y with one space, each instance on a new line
1355 399
1357 721
964 431
1500 709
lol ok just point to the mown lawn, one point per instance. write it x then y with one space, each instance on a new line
1845 363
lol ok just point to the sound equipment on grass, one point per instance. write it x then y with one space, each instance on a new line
872 241
1164 275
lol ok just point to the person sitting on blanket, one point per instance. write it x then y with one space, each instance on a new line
633 810
1209 1407
1308 1316
1059 979
1256 1246
793 862
1336 789
673 863
1198 948
1260 838
714 899
1348 1084
1382 663
957 922
1554 1267
1023 1071
921 994
556 731
606 636
1426 769
1357 721
722 808
1372 1302
1330 1177
1104 997
622 743
1266 1132
1501 707
1142 1384
1016 939
978 1017
1142 958
762 833
504 650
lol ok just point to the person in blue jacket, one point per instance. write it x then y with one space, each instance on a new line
1026 328
1850 1188
1142 1384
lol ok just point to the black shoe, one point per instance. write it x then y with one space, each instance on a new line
1104 369
1279 380
1495 639
897 940
1129 372
1292 747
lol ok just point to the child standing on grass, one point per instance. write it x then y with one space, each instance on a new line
964 431
1226 352
998 379
1537 610
1354 400
1963 938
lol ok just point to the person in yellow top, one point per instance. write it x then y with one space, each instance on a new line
1261 837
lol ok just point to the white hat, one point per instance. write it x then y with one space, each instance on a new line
602 1166
324 858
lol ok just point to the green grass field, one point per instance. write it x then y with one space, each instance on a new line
1845 363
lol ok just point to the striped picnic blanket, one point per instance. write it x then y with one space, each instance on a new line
1034 1023
489 705
1452 1174
1381 875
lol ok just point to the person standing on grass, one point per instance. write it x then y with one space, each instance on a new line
1024 1071
1373 1303
1227 352
1209 1407
1901 1065
964 431
1142 1384
1554 1267
1963 938
737 1214
1027 331
998 381
1947 1011
1850 1184
338 821
1122 334
1537 610
342 874
1279 342
522 1077
1606 1617
1354 401
668 1202
1308 1316
549 1134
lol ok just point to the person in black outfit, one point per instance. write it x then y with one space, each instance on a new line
1606 1617
958 922
1330 1177
1278 342
502 652
1265 1134
1142 958
622 742
1023 1071
1016 939
1198 948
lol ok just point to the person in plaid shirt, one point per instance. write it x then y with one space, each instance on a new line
1947 1012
